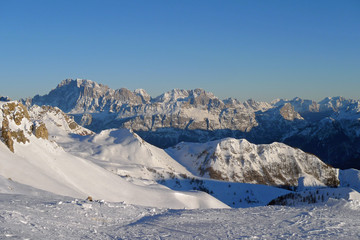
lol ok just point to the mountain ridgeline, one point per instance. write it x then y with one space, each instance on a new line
330 129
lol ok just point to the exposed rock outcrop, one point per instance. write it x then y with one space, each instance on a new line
288 112
15 124
55 118
40 130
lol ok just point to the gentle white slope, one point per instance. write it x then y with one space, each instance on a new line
123 152
43 165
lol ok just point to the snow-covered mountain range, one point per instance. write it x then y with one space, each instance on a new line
42 149
330 129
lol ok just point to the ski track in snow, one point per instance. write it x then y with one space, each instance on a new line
31 217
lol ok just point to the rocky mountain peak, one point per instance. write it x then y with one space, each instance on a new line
257 106
172 96
333 103
288 112
300 105
232 102
80 96
78 82
143 94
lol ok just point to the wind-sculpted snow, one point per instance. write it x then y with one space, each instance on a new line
240 161
25 217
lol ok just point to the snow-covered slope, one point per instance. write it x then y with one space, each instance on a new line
9 186
61 173
120 151
350 178
123 152
56 121
42 164
241 161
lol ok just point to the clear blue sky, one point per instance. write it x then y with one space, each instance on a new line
243 49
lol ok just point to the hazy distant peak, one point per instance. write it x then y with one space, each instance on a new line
78 82
172 95
332 100
141 91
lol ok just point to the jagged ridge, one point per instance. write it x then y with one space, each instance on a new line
199 116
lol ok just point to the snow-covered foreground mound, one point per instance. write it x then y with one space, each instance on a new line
26 217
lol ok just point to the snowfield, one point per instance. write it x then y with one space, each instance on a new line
49 217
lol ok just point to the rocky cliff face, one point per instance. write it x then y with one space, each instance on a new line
288 113
182 109
79 96
241 161
16 125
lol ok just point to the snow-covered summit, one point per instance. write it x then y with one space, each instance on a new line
300 105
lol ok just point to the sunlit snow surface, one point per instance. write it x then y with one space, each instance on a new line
49 217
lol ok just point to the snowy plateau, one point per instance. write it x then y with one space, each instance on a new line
89 162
